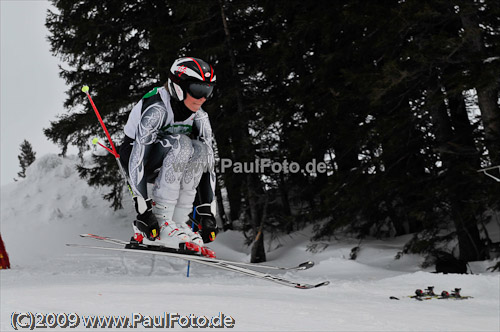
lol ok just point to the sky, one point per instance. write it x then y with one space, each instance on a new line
32 93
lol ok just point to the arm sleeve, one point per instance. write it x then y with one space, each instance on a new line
206 188
151 121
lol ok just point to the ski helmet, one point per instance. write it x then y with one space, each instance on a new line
193 76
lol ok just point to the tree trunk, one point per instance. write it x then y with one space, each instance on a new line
464 206
346 153
258 249
459 160
459 155
469 243
287 211
226 224
245 151
490 115
487 89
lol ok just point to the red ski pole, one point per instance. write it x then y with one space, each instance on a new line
85 89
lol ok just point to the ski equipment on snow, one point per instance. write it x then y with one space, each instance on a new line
303 266
237 267
428 294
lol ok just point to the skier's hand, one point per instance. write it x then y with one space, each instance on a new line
146 221
205 223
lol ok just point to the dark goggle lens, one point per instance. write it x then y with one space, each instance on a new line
200 90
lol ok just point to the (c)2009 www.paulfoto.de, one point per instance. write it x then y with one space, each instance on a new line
30 320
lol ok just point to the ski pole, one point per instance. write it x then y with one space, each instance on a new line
192 228
85 89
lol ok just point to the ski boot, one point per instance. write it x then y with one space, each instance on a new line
424 294
195 238
172 237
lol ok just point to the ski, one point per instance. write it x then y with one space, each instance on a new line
429 294
104 238
439 297
215 263
136 246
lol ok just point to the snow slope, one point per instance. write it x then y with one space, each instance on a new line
52 206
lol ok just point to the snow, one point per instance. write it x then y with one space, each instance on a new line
49 208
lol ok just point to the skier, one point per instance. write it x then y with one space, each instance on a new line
168 142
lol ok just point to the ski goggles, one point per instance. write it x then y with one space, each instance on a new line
200 90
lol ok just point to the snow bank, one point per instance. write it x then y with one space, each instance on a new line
49 208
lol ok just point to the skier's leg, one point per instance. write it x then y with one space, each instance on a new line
190 181
176 150
168 182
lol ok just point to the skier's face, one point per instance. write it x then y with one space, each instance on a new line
192 103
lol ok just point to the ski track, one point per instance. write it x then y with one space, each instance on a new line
47 276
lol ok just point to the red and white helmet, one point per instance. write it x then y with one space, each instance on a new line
193 76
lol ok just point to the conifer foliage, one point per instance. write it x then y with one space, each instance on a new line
398 98
26 158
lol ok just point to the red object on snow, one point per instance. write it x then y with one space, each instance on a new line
4 258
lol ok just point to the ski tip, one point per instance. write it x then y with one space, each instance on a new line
93 236
307 286
73 245
306 265
324 283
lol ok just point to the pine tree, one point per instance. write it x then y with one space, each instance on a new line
26 158
375 89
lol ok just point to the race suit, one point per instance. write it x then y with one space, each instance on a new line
169 145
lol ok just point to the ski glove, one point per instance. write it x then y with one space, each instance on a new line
204 222
146 221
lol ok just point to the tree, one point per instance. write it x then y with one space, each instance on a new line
26 158
120 62
418 68
380 91
480 24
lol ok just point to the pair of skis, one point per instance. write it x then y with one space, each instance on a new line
428 294
238 267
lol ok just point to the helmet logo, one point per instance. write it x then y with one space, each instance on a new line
182 70
179 92
207 74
